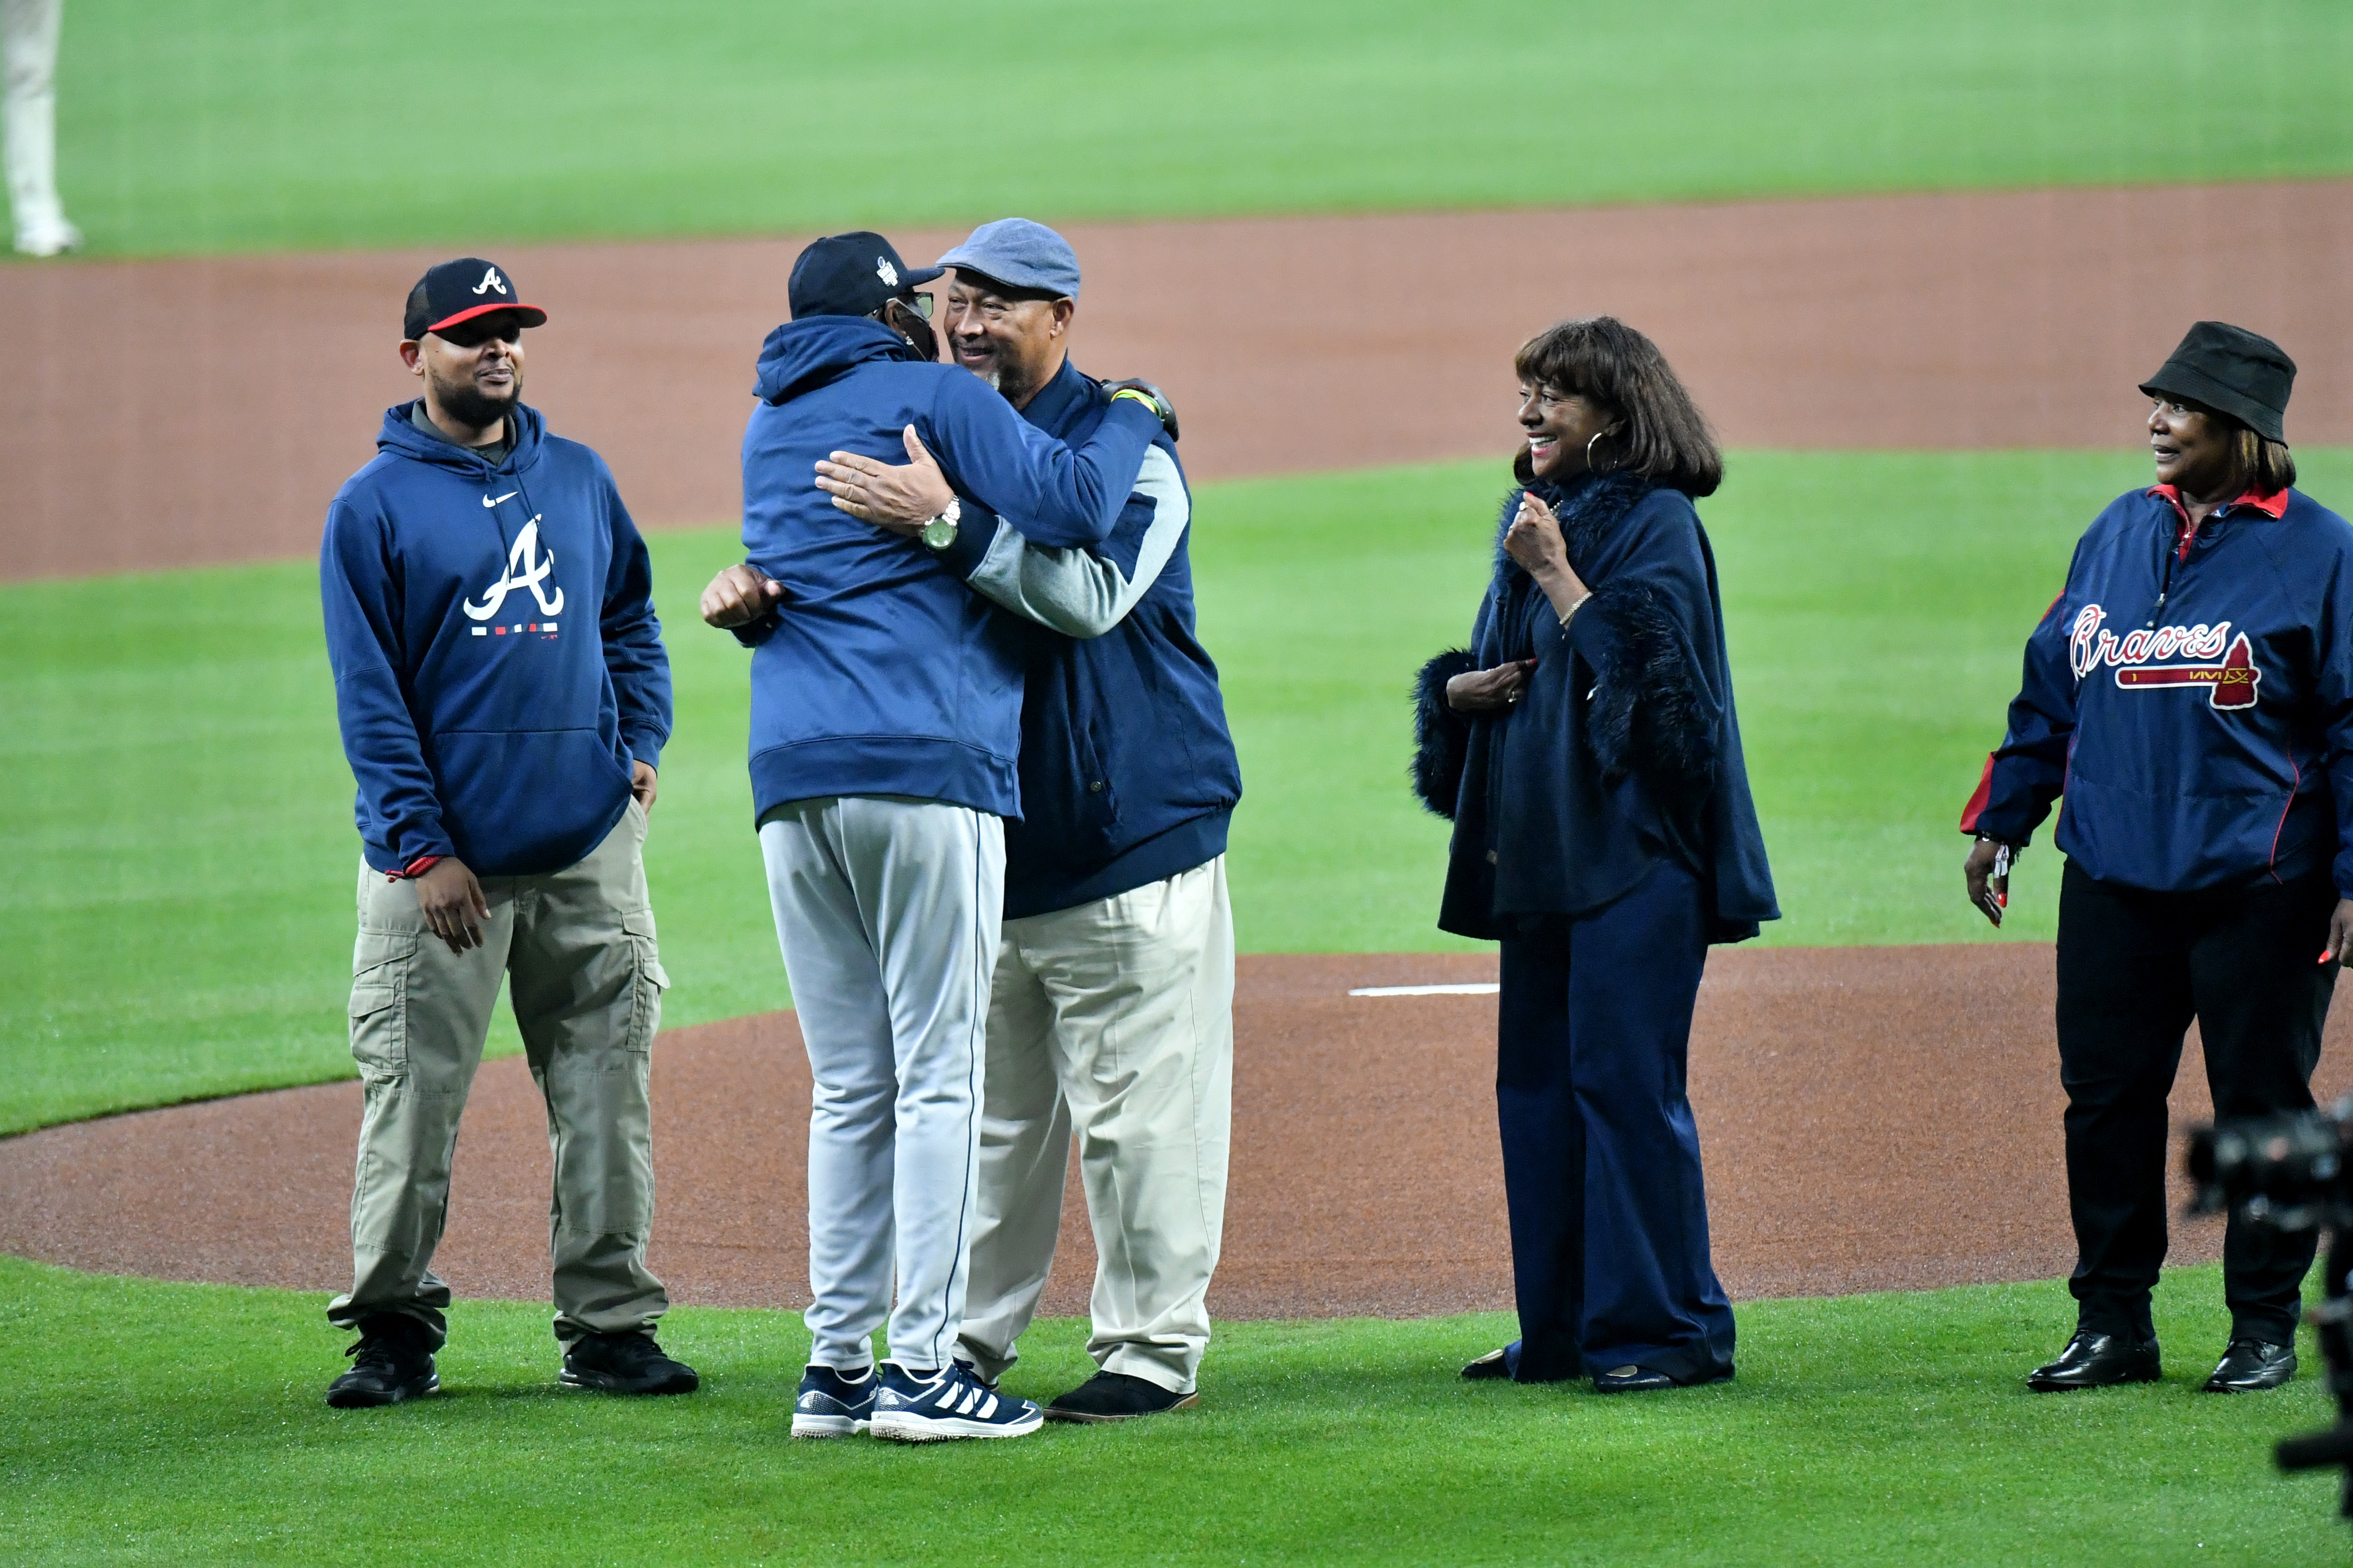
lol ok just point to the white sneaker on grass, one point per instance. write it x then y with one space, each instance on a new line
952 1403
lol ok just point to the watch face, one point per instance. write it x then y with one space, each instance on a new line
939 533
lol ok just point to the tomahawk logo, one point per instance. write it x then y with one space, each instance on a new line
490 279
526 568
885 271
2136 657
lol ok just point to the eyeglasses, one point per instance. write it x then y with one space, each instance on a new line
919 303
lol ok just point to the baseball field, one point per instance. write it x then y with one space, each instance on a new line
1911 259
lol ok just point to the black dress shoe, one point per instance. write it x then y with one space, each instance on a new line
1115 1396
2096 1360
1648 1380
1493 1364
2249 1366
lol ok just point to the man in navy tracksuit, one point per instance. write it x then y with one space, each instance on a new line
1112 1012
504 696
886 707
2191 695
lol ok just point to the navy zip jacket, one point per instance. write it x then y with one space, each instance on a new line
497 659
881 675
1128 774
2191 697
1624 748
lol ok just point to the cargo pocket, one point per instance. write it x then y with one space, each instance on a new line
648 983
380 963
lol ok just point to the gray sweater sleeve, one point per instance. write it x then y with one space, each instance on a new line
1080 593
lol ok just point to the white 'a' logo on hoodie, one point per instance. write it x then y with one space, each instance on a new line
526 568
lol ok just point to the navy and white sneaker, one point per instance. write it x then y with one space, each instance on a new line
953 1404
831 1405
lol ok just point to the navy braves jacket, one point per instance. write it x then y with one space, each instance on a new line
881 675
1624 748
1128 775
2191 695
497 659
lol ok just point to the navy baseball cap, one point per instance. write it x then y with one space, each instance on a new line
851 274
1026 255
460 291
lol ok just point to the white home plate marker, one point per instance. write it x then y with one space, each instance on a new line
1488 989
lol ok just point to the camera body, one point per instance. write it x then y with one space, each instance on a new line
2290 1172
2285 1172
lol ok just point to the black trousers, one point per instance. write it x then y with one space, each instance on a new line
1601 1169
2134 968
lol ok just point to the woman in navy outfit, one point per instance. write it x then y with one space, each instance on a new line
2190 693
1586 748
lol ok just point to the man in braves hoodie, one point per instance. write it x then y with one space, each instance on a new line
504 696
2191 695
886 715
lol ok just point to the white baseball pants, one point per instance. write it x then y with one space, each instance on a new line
887 911
29 65
1114 1020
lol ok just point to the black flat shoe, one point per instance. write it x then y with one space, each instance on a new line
2096 1360
2249 1366
1493 1364
1648 1380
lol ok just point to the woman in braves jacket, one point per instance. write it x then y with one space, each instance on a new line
1587 750
2191 694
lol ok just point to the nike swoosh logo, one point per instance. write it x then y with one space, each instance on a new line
493 500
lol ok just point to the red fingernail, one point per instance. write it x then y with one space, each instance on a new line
2324 957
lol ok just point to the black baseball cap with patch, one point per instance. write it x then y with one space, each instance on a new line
851 274
460 291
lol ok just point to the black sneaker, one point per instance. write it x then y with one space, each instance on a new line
391 1364
625 1363
1115 1396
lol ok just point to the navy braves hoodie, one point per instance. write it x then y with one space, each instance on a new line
497 660
2191 697
881 675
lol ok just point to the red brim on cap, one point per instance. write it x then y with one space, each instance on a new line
533 316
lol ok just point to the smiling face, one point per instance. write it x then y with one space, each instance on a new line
1014 344
1560 428
473 373
2196 450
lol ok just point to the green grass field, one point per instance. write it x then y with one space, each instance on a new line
179 920
187 1427
198 125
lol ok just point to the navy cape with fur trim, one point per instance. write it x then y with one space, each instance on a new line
1625 748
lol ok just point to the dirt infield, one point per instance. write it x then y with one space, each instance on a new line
167 412
1872 1118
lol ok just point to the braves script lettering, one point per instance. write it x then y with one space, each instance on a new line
526 568
2140 657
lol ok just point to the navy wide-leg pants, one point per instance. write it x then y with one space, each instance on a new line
1601 1168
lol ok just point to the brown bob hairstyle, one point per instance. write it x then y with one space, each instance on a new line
2269 466
1662 435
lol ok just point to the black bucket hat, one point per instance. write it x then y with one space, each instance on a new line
2245 375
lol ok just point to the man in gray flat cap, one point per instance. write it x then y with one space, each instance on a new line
1112 1012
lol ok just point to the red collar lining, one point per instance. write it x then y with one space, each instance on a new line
2272 506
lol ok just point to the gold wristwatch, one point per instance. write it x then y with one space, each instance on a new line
940 532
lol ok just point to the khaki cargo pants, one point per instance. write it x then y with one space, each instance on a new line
576 948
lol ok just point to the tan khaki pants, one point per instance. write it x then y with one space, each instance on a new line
1115 1021
576 948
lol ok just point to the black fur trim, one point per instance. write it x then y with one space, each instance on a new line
1647 716
1441 737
